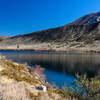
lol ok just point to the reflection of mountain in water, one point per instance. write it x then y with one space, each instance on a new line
65 63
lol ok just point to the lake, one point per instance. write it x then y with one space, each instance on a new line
60 68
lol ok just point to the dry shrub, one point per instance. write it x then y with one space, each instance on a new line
24 81
38 71
20 72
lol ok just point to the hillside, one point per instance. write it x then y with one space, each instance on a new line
3 37
20 82
87 19
83 33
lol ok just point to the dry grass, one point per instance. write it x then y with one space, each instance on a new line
18 81
18 72
17 91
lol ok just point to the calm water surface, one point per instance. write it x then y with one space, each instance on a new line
60 68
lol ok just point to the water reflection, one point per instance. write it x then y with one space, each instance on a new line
64 63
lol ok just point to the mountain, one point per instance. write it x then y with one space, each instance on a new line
82 33
87 19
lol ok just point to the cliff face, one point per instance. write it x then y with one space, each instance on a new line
85 30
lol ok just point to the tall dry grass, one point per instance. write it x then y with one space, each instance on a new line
18 81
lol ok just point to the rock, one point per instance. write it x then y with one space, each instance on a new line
41 87
98 19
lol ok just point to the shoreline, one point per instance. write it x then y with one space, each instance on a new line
56 51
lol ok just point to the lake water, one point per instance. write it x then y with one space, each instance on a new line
60 68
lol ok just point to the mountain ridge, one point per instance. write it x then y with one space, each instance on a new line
76 34
87 19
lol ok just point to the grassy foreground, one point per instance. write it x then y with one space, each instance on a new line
19 82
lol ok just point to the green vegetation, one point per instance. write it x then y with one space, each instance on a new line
83 88
97 37
1 39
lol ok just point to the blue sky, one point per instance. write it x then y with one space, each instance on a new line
26 16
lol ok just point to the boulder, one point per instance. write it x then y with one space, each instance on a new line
41 87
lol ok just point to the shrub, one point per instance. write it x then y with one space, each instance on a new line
83 88
38 71
1 39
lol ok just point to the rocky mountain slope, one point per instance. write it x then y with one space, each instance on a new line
84 32
87 19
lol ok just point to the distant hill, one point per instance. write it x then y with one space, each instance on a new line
85 30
